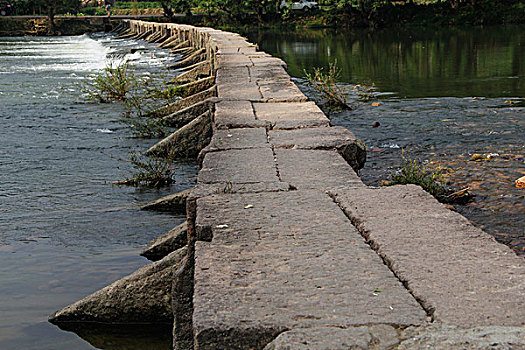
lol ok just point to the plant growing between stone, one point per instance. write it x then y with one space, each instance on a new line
326 85
150 171
430 179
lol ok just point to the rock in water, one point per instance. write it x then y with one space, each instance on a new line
142 297
175 203
170 241
520 183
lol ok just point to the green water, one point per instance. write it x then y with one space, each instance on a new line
441 96
419 62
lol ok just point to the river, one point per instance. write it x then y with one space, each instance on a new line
65 230
441 95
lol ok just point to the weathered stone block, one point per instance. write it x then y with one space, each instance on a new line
175 203
460 274
291 115
237 139
244 92
285 260
337 138
236 114
239 166
280 91
308 169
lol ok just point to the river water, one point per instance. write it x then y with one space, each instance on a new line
65 230
441 95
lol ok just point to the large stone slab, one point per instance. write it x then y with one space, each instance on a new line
460 274
239 166
280 91
242 92
236 114
234 75
443 337
290 115
268 74
337 138
238 139
331 338
285 260
308 169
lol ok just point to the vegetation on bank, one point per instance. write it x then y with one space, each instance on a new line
431 179
331 13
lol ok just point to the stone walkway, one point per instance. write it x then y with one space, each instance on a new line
291 242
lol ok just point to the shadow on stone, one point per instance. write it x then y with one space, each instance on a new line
122 337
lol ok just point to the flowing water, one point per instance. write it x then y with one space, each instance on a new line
65 230
441 95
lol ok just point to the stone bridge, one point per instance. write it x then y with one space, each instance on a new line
284 246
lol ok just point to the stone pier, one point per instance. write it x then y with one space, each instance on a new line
288 249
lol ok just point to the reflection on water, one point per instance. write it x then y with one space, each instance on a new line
459 62
65 231
444 95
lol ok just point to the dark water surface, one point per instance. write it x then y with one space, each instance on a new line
65 230
443 96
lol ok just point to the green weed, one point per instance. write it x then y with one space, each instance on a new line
326 85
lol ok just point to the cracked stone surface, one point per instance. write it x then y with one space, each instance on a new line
308 169
239 166
378 337
312 138
269 74
238 139
244 92
281 91
236 114
442 337
234 75
455 269
285 260
291 115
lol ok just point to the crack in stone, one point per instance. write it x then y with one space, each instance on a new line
358 224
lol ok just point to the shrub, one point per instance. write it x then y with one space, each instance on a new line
326 85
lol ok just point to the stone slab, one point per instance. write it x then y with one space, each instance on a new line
236 114
338 138
377 337
141 297
458 272
235 60
239 166
238 139
281 91
244 92
234 75
311 138
308 169
290 115
285 260
443 337
271 73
